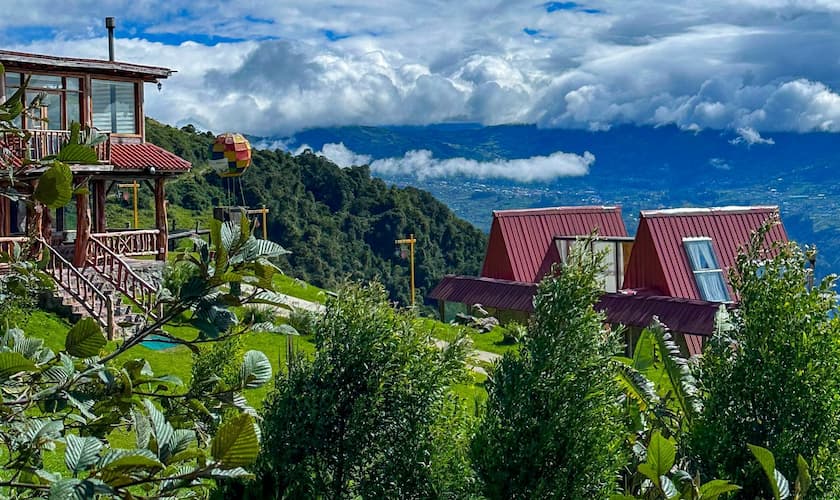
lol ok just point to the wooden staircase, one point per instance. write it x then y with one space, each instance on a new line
98 290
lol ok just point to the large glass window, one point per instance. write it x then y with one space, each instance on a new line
707 273
60 103
114 107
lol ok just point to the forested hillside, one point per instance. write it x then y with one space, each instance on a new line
338 223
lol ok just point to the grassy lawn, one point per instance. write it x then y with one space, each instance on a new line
300 289
492 341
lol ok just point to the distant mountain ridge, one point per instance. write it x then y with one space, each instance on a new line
635 167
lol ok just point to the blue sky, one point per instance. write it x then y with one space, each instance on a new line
752 67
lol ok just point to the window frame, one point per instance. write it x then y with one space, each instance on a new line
716 269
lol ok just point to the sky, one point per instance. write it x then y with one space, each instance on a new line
752 67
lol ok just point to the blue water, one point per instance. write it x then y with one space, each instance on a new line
157 343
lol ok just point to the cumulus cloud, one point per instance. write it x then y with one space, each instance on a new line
750 136
269 68
421 164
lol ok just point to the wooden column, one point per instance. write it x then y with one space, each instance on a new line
5 216
160 219
46 224
82 229
99 224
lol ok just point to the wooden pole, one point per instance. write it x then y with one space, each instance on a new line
160 219
265 222
82 229
410 241
99 224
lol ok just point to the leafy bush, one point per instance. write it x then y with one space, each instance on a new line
770 375
304 321
553 421
372 416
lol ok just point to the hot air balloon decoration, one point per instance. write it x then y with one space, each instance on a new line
230 154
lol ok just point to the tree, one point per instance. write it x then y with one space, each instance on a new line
553 425
372 416
80 396
770 375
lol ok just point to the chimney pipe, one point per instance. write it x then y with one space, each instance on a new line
109 23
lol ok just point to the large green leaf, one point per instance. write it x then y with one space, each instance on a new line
142 428
235 443
715 488
162 430
643 351
13 362
55 186
803 478
78 153
778 483
85 339
81 452
661 454
72 489
636 386
255 370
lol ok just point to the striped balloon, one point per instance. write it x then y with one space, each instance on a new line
230 154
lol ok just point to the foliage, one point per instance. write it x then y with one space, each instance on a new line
338 223
769 376
514 333
779 484
304 321
663 481
90 391
553 420
372 416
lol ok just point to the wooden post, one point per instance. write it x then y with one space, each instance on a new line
82 229
5 216
160 219
410 241
99 224
46 224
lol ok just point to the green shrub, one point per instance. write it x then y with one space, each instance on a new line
770 376
553 425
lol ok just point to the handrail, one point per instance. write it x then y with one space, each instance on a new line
117 272
7 243
85 292
130 243
43 143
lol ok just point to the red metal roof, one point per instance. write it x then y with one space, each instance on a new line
500 294
680 315
520 239
659 259
141 156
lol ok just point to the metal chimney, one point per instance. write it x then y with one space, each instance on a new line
109 23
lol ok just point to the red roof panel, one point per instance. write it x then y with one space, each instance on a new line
499 294
140 156
659 259
520 239
680 315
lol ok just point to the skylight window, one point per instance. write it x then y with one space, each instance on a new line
707 273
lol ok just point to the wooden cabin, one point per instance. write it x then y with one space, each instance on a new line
679 269
107 96
523 247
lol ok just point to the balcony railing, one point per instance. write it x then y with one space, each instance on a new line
130 243
43 143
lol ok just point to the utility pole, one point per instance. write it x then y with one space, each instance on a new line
135 186
410 241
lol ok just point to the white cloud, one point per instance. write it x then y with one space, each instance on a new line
421 164
721 64
750 136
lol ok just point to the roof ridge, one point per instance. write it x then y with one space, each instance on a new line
689 211
545 210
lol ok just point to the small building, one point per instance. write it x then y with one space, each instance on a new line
523 246
87 256
679 269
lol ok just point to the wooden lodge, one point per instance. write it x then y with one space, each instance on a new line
106 96
674 269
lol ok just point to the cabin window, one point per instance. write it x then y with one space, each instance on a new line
114 107
60 102
707 273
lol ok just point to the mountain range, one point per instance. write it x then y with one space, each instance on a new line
635 167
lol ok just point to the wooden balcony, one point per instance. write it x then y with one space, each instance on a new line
43 143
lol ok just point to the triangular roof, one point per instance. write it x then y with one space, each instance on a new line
520 239
659 260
